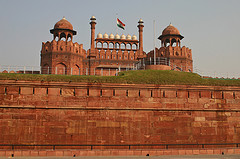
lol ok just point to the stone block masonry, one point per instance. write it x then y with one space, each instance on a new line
37 112
154 152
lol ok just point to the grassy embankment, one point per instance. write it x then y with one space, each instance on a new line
137 77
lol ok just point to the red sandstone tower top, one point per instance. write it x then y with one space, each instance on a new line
170 30
170 33
171 53
63 24
63 29
61 55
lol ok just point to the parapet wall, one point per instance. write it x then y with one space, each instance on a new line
91 113
62 47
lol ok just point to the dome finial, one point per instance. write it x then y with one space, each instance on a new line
170 24
64 17
140 22
93 19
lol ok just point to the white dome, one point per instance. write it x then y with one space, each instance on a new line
105 35
123 36
99 35
140 22
93 19
117 36
134 37
129 37
111 36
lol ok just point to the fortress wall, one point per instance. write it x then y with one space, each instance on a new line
91 113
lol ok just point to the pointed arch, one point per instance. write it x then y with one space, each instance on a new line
123 46
75 70
128 46
46 69
61 69
111 46
134 46
62 36
99 45
105 45
117 45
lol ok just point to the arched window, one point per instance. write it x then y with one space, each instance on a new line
128 46
63 36
105 45
56 37
110 45
134 46
69 37
167 42
117 45
174 42
122 46
99 45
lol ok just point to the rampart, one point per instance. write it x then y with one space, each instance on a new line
39 112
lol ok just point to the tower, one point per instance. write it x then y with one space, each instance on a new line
180 57
61 55
171 53
93 24
140 31
92 53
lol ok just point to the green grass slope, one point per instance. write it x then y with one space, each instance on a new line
131 77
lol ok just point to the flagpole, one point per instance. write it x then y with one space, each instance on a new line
154 51
116 25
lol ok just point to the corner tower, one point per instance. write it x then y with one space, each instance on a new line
180 57
61 55
171 53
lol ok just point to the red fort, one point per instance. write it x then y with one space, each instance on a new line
109 53
41 118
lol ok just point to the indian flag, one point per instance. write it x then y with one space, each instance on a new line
120 24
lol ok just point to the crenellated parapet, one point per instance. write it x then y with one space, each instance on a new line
62 47
181 52
172 52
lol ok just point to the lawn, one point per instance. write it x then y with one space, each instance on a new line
165 77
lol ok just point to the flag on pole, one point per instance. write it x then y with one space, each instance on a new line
120 24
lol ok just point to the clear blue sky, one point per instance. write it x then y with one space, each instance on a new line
211 27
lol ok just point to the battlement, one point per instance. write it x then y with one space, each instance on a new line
62 47
176 51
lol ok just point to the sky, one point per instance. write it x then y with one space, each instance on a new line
211 28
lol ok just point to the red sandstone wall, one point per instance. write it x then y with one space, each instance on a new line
88 113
